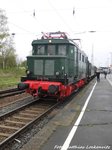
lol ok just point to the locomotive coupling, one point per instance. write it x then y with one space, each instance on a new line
23 86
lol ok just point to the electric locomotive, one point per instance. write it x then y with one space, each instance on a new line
56 68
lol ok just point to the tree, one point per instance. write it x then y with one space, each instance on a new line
23 64
7 51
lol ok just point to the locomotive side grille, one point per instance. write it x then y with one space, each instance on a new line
38 67
49 67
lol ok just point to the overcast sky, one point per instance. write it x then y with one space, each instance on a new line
57 15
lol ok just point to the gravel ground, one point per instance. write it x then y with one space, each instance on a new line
24 138
11 99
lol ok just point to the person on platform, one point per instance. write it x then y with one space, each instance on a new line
98 75
105 74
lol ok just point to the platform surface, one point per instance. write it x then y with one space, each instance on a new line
81 124
95 128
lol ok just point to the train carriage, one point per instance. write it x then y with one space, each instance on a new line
56 68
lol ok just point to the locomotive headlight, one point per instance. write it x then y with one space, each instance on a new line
50 41
62 67
27 72
65 75
57 73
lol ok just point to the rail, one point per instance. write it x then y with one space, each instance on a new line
19 120
10 92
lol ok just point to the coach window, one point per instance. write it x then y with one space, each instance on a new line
82 58
62 50
41 50
51 49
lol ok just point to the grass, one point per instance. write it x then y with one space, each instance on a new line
10 77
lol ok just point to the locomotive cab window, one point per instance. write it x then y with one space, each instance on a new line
62 50
51 49
38 50
41 49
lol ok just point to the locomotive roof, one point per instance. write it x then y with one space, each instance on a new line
54 41
54 38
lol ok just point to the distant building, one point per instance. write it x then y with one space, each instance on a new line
105 69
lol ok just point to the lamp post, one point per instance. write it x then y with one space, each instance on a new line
13 34
111 59
92 54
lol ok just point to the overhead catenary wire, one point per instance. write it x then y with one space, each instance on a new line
20 27
60 16
34 13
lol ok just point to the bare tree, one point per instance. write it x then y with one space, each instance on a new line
7 50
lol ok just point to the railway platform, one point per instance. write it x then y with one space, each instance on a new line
84 123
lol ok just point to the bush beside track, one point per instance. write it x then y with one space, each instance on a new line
10 77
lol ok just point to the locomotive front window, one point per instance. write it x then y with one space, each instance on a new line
41 49
62 50
51 49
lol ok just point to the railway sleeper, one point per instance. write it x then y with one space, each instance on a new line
32 111
5 134
22 118
28 114
9 127
15 122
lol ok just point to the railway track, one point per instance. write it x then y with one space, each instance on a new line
10 92
17 121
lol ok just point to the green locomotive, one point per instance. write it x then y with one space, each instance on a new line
56 65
